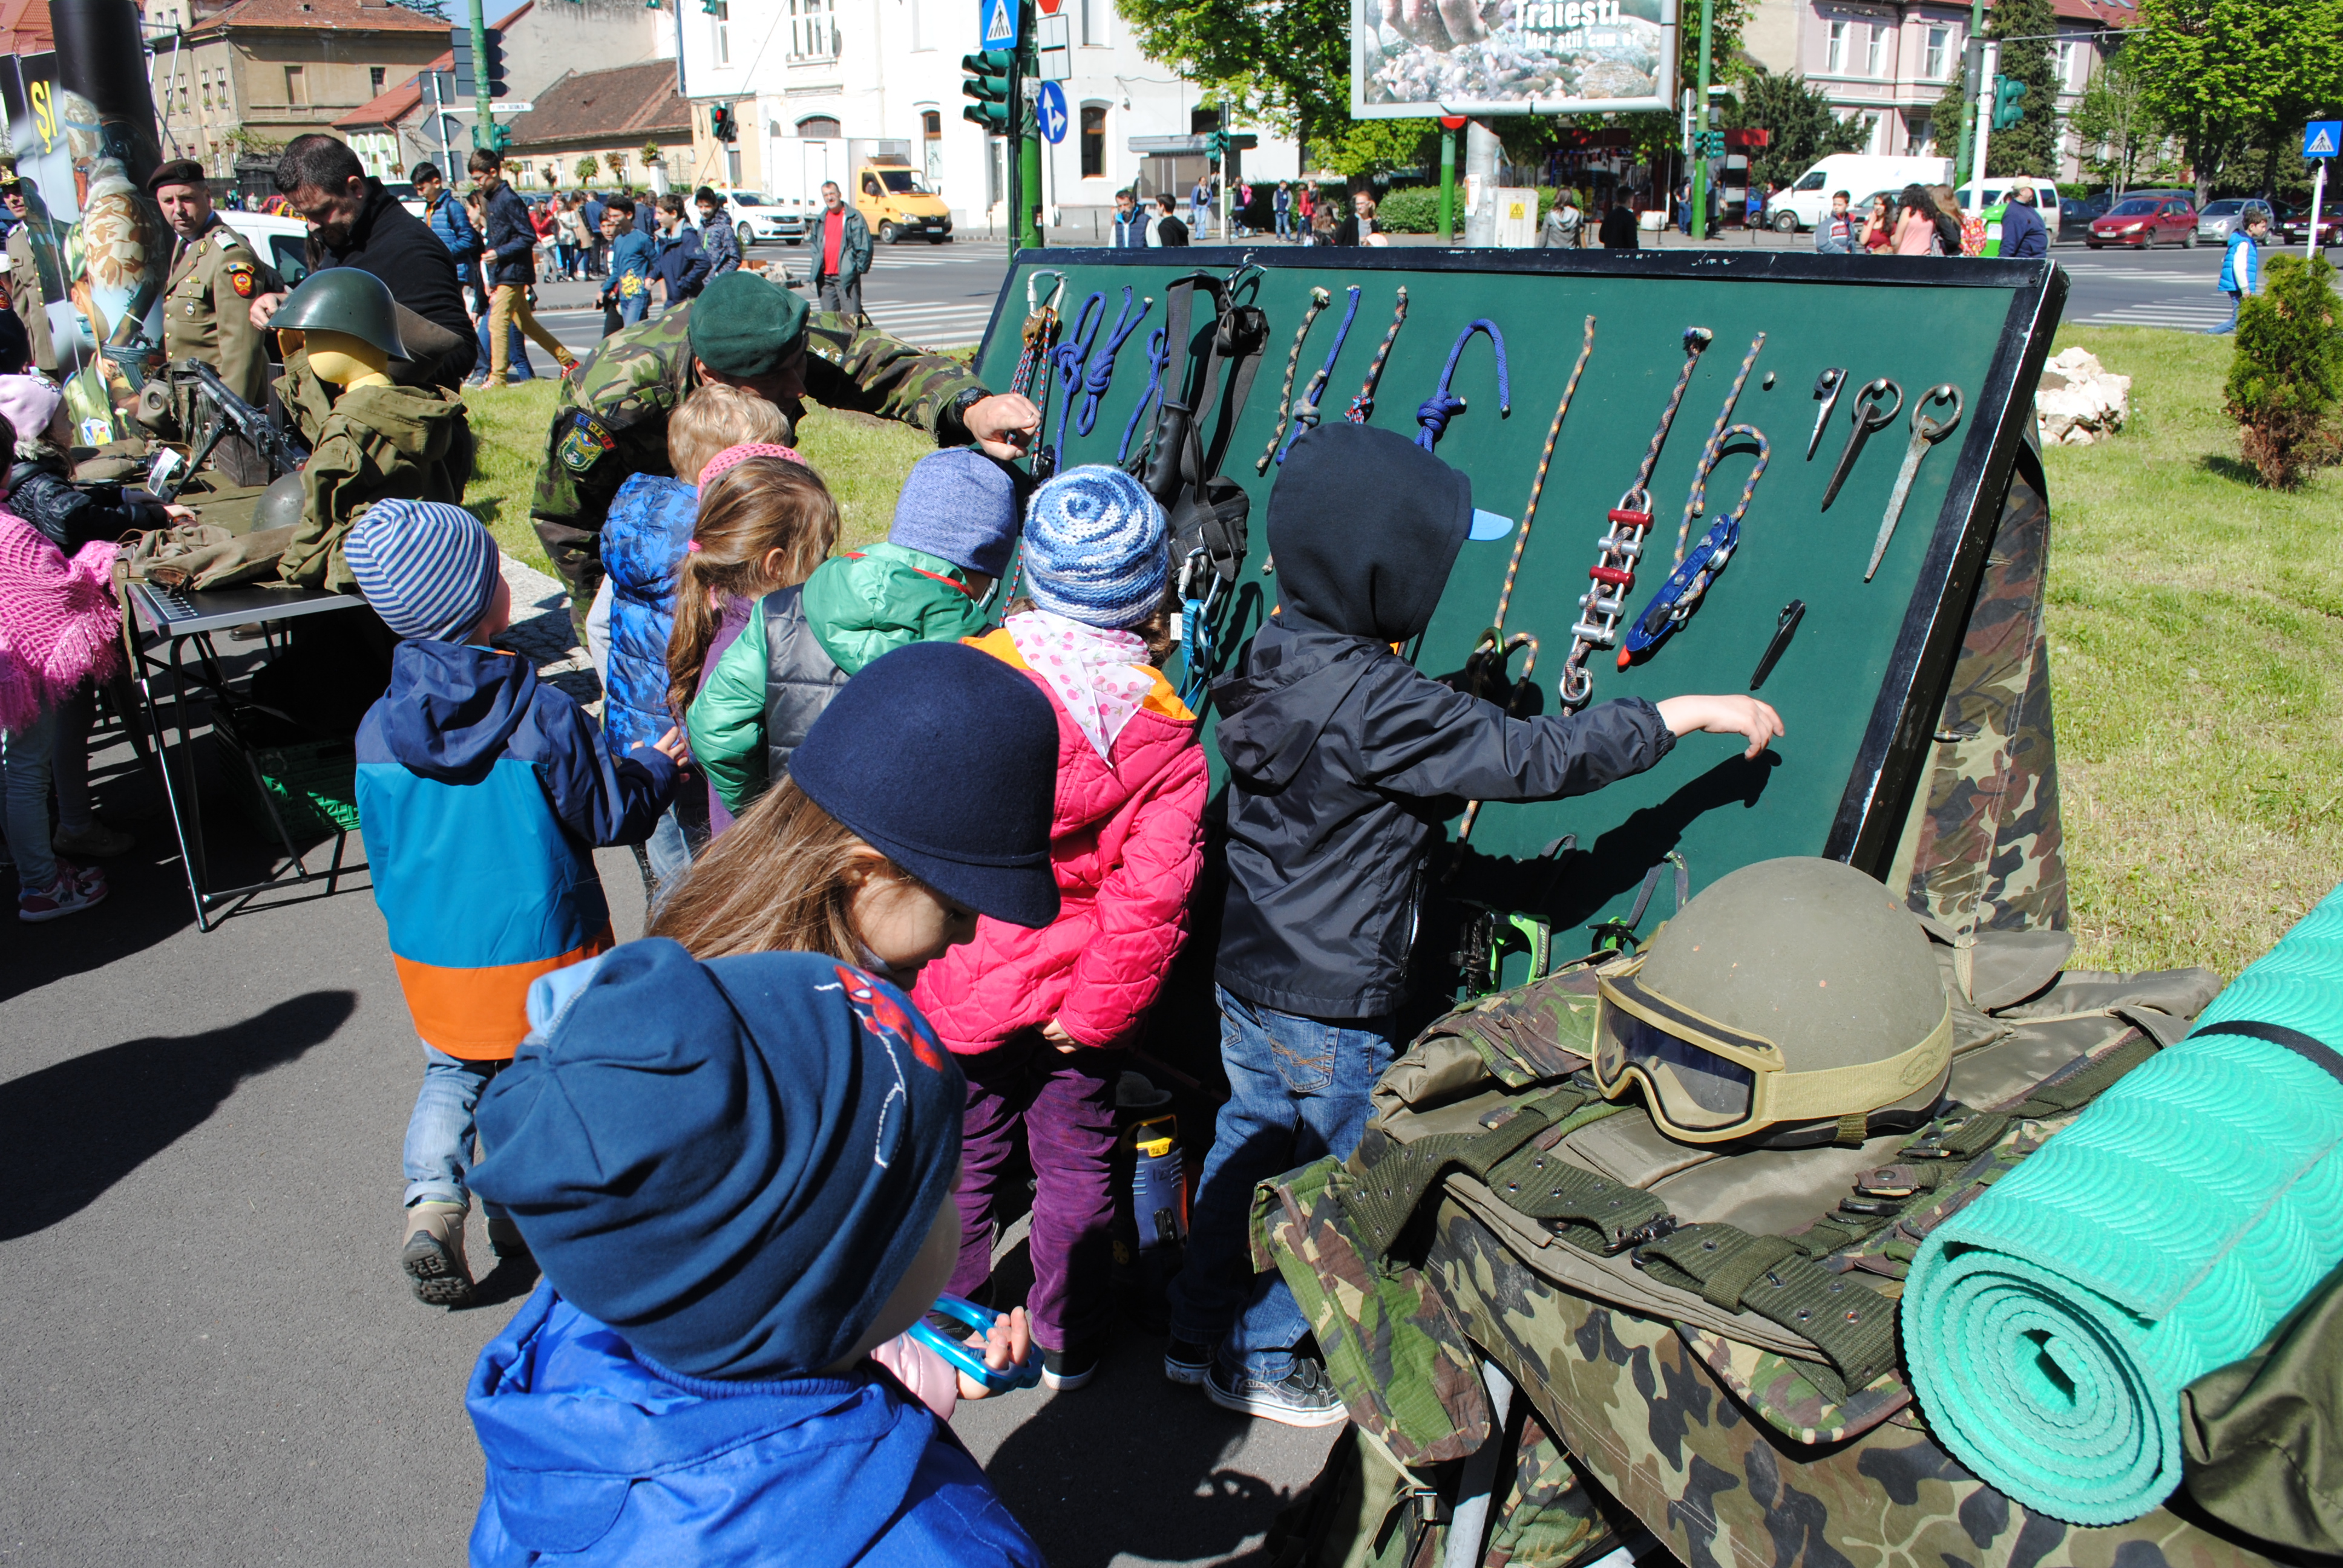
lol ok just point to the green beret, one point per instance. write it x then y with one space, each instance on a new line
743 325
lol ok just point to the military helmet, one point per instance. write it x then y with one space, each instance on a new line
280 505
345 299
1794 1003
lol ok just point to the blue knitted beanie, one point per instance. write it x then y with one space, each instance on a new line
959 504
429 569
1095 549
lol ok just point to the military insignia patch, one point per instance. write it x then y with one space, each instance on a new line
583 444
240 278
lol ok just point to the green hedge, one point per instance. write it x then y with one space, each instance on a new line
1415 209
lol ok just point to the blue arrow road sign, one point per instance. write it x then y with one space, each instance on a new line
1052 110
998 21
2322 138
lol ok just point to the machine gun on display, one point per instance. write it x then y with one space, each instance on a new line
212 407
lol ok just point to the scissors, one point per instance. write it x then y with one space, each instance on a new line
1827 386
967 1358
1925 433
1868 416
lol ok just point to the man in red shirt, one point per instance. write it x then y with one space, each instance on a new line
843 256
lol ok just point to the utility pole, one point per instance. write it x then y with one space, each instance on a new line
1025 91
1700 109
1969 98
1989 66
484 124
1449 125
1481 148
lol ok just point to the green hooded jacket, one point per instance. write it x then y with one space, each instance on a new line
378 444
858 607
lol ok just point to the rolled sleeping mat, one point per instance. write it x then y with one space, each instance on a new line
2050 1326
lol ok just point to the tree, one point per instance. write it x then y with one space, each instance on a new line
2286 377
2122 140
1803 126
2227 75
587 168
1370 150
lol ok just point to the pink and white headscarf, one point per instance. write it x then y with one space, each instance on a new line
1100 676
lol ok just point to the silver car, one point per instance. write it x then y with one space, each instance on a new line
2216 219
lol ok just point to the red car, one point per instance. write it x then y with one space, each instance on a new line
2143 221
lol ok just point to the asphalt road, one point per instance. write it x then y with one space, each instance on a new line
210 1355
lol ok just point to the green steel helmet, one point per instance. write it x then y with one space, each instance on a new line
1794 1003
280 505
343 299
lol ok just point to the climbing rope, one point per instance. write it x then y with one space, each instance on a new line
1364 405
1068 360
1698 497
1099 375
1495 649
1159 360
1431 415
1305 413
1681 594
1319 300
1613 571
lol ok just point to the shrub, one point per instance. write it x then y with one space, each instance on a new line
1415 209
2287 376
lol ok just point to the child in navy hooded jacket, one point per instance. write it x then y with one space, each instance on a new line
483 794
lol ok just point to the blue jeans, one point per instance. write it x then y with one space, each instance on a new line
440 1134
27 756
1284 223
1297 1091
2237 301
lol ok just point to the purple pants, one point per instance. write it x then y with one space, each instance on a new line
1067 1105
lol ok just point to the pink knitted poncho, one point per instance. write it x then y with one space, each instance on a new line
59 623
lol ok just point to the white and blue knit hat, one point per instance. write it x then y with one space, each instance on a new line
1094 549
428 569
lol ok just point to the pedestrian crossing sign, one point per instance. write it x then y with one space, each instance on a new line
2320 138
1000 18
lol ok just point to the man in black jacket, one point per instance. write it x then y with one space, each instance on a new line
1341 756
508 262
354 222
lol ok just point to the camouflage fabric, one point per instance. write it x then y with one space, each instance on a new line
611 420
1550 1515
1780 1389
1648 1422
1983 849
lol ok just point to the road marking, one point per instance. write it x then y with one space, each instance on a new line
2190 312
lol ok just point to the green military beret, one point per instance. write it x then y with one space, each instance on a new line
744 326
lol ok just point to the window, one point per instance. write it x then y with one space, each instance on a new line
1875 54
1837 59
732 165
1094 141
373 85
1812 181
1091 19
1940 40
817 127
2068 50
296 87
720 20
813 30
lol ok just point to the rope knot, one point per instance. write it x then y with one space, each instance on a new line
1434 414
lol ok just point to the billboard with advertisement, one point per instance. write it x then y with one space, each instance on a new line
1411 58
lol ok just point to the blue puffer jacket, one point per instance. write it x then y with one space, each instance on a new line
597 1457
643 543
2241 263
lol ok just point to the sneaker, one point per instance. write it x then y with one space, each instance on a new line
1068 1369
69 895
1303 1398
1185 1362
96 841
505 1237
433 1256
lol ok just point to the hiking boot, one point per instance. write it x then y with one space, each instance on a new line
433 1256
1069 1368
1185 1362
73 892
96 841
505 1238
1304 1397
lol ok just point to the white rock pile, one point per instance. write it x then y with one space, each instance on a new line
2079 401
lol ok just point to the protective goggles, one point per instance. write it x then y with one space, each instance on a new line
1706 1083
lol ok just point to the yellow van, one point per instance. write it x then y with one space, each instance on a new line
894 203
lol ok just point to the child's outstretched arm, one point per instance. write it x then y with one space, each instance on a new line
727 720
605 800
1743 716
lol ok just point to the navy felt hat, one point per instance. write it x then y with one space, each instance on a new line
945 760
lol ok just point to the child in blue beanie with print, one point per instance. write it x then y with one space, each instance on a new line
955 525
1035 1016
735 1171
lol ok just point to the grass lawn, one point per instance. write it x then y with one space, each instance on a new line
2195 625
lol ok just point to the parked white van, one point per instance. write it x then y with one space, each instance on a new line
1858 175
1996 193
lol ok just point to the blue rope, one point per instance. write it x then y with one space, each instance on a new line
1067 360
1158 360
1305 413
1434 412
1100 372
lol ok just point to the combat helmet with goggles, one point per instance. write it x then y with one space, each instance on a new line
1795 1002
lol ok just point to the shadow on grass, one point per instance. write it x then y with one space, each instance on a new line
2235 471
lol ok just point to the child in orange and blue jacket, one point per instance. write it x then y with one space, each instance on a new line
483 795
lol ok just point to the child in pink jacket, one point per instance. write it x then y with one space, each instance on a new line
1035 1015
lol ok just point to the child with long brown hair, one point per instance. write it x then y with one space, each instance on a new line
766 521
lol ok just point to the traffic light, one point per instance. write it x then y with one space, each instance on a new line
467 86
987 89
2007 110
1216 144
722 125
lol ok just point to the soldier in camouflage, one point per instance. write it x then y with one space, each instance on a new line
744 332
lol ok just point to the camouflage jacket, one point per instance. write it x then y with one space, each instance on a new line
612 417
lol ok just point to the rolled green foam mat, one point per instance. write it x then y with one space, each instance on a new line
2050 1326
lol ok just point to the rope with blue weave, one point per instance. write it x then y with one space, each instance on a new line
1158 360
1305 413
1099 373
1431 415
1067 360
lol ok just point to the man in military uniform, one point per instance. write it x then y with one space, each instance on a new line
744 332
25 294
213 278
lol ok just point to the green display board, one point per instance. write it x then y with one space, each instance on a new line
1861 681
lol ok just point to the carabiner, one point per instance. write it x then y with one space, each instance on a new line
1034 305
